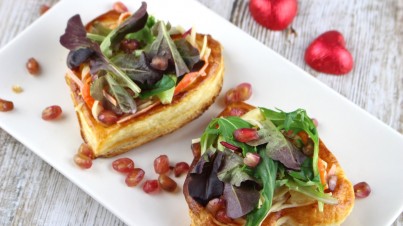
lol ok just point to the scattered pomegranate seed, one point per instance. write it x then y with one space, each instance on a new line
134 177
86 150
180 168
83 161
362 190
51 112
240 93
161 164
120 7
167 183
246 134
237 112
230 146
107 117
196 149
151 186
43 9
123 165
129 45
222 217
6 105
159 63
251 159
214 205
33 66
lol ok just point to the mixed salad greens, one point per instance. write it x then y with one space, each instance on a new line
284 166
140 59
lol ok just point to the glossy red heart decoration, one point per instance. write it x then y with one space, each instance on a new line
328 54
274 14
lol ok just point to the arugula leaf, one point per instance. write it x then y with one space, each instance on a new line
164 46
132 24
167 96
240 200
125 101
265 171
311 192
144 35
224 127
162 85
297 120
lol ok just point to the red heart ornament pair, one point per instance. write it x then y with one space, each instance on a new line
273 14
328 54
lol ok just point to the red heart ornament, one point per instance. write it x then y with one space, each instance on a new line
273 14
328 54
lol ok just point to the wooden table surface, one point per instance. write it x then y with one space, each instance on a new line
33 193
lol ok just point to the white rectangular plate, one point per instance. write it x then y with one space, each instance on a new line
367 149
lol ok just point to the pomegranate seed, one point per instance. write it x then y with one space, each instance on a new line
107 117
150 186
180 168
51 112
230 146
251 159
123 165
83 161
43 9
33 66
159 63
134 177
167 183
6 105
214 205
129 45
246 134
237 112
86 150
222 217
362 190
120 7
238 94
161 164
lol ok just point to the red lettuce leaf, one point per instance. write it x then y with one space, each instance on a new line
204 184
240 200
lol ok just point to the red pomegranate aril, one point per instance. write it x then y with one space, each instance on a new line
196 149
83 161
123 165
230 146
51 113
32 66
86 150
240 93
181 168
362 190
120 7
161 164
246 134
244 90
134 177
43 9
222 216
159 63
108 117
129 45
167 183
237 112
151 186
251 159
214 205
6 105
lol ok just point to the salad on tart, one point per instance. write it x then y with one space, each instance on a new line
134 78
265 167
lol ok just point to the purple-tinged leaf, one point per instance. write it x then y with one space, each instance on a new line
240 200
